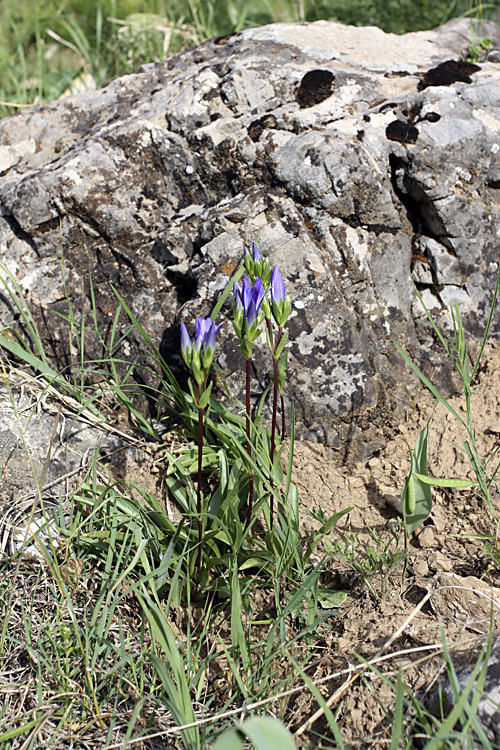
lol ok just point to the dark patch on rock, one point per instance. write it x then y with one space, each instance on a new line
257 127
397 74
212 94
432 117
315 87
223 39
383 106
402 132
446 73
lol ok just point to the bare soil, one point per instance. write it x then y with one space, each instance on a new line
450 581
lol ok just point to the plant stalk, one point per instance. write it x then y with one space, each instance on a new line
249 443
275 408
198 489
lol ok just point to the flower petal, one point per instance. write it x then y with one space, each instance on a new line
259 293
255 252
185 340
251 314
277 286
202 329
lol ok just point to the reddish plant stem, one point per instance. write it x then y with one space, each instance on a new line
198 489
273 436
282 416
275 407
249 443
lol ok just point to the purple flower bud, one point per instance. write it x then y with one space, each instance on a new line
255 252
245 295
203 352
277 286
254 255
210 337
238 303
201 331
186 346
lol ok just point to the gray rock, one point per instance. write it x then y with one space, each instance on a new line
332 145
43 451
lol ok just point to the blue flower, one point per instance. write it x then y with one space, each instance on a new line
281 306
248 301
247 304
200 356
277 286
186 347
256 256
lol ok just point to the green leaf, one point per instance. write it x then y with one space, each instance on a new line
267 733
238 640
205 397
397 721
423 496
11 733
281 345
436 482
330 599
232 739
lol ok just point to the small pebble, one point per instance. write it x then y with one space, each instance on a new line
438 522
420 568
357 480
427 537
438 562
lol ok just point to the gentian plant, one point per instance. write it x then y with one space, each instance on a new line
251 306
199 359
249 467
277 308
247 322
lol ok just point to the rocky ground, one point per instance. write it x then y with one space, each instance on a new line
450 572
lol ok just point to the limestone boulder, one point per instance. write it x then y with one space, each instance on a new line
357 159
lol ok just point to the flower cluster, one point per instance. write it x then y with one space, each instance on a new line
251 303
247 314
200 356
